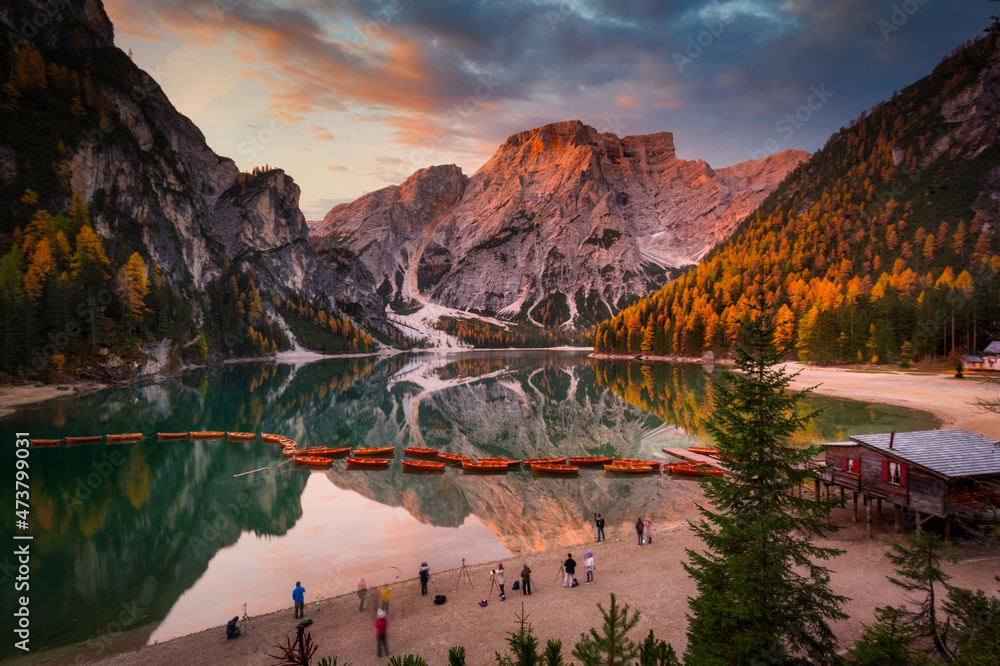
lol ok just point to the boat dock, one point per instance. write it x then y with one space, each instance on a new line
688 456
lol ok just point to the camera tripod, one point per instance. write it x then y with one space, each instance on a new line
493 583
464 571
245 620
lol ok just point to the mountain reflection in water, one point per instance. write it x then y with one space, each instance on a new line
163 535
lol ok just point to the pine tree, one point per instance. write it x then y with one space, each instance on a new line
761 594
886 643
611 647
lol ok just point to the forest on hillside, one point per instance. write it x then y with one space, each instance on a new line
871 251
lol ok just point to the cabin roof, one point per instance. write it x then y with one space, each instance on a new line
949 453
993 348
829 444
968 358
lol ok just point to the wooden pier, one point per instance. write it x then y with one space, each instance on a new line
688 456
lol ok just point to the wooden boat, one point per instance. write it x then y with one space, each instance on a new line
326 451
171 435
367 462
636 461
704 450
44 443
512 463
290 451
628 468
312 461
373 452
454 458
126 437
207 434
562 470
89 439
423 465
417 451
589 461
241 436
695 470
480 466
545 461
268 438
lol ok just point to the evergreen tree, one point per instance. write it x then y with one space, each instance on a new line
888 642
975 618
761 594
654 652
611 647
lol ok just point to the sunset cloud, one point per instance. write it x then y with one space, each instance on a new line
321 133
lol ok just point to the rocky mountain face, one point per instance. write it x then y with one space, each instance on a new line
154 185
562 225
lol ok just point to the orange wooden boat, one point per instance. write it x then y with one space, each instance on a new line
423 465
89 439
367 462
417 451
512 463
326 451
589 461
545 461
628 468
695 470
125 437
376 451
480 466
268 438
563 470
312 461
704 450
635 461
44 443
171 435
207 434
455 458
241 436
291 451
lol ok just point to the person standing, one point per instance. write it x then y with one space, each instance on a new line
569 566
381 625
425 575
362 591
648 534
299 597
639 526
385 596
600 527
501 581
589 565
526 580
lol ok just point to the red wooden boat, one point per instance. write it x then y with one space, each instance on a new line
312 461
125 437
695 469
89 439
547 468
373 452
704 450
420 451
367 462
636 461
512 463
455 458
480 466
207 434
628 468
44 443
326 451
241 436
589 461
423 465
268 438
545 461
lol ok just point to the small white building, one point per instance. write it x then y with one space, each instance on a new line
988 360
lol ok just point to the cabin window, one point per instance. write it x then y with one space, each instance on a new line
895 473
854 465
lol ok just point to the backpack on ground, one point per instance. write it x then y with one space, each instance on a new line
575 583
440 599
516 585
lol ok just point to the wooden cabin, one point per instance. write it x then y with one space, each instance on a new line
989 359
929 473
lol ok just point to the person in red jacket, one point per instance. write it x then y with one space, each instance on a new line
381 624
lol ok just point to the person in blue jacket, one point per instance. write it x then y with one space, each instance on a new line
299 597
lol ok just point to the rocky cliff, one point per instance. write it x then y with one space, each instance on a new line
563 223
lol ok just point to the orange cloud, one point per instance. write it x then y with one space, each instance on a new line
667 104
627 102
336 167
321 133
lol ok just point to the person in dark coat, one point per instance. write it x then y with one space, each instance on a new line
425 575
639 525
570 568
600 527
526 580
232 631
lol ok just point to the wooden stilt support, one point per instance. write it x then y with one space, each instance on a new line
879 500
947 529
897 528
868 529
920 525
855 518
842 496
816 489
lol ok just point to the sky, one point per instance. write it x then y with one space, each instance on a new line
349 96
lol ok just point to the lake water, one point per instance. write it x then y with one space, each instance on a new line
163 536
